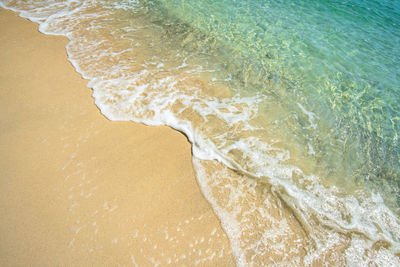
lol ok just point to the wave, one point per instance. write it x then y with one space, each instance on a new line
254 164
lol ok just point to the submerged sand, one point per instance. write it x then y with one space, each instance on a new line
78 189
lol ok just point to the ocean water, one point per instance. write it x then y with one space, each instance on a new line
292 109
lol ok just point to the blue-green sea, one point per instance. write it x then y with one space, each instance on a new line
300 97
336 59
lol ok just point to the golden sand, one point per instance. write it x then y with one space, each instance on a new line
78 189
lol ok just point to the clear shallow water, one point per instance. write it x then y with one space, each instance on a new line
336 59
302 98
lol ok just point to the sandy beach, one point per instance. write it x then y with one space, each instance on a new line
78 189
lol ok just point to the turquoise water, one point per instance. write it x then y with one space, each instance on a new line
338 59
301 99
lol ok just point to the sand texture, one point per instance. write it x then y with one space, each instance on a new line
78 189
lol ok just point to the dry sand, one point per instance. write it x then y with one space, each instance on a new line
78 189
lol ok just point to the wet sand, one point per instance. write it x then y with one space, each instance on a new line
78 189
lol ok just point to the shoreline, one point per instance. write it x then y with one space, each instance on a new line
79 189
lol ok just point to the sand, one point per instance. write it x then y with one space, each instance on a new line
78 189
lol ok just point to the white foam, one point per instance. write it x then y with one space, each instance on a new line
310 115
